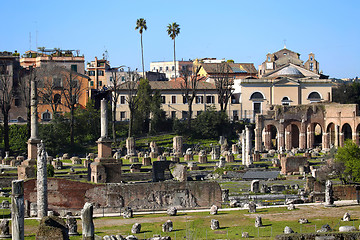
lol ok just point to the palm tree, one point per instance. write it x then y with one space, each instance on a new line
173 30
141 25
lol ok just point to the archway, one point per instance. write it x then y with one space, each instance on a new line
270 137
295 133
318 135
346 131
357 141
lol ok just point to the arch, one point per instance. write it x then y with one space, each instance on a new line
314 97
318 134
285 101
271 136
346 132
257 96
357 141
46 116
295 136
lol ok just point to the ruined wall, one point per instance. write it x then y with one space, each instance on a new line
64 193
345 192
292 164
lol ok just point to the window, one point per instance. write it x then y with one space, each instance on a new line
269 59
57 82
111 79
314 97
163 99
285 53
235 115
91 83
199 99
184 114
257 107
311 58
311 66
184 100
74 68
17 102
100 83
173 114
210 99
160 69
285 101
100 72
57 98
198 113
91 73
46 116
167 68
122 115
173 99
173 68
123 79
257 96
122 99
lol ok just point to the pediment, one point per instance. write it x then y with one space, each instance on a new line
286 82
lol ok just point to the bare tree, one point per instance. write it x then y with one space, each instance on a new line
116 79
189 84
223 83
131 86
7 95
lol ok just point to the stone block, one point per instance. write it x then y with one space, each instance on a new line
146 161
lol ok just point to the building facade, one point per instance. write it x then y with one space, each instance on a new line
168 67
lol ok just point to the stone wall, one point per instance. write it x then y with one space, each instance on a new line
345 192
64 193
292 164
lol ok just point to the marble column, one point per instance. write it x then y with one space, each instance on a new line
104 143
302 140
104 119
337 135
248 146
178 145
341 139
281 138
130 146
310 136
243 146
329 194
288 138
88 230
42 198
258 133
326 141
17 210
267 142
34 139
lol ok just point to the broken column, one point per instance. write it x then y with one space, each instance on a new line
130 146
17 210
248 146
87 222
329 194
153 149
243 146
178 146
42 200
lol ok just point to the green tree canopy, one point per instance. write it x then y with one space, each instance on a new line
349 155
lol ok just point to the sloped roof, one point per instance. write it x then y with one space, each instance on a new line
172 85
232 67
293 71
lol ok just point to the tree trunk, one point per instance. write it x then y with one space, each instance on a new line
189 114
174 60
142 57
72 126
6 130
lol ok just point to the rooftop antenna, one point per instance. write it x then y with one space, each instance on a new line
36 35
284 43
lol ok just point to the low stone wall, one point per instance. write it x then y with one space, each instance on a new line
314 236
64 193
345 192
6 181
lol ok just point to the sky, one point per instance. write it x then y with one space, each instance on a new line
244 31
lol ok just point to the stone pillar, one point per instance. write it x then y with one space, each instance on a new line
248 146
281 138
87 222
310 136
42 200
302 140
257 132
104 143
355 137
17 210
326 140
341 139
243 146
235 149
267 136
34 140
288 138
178 145
337 133
329 194
130 146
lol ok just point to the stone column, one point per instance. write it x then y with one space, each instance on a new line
288 138
341 139
42 200
248 146
178 145
243 146
310 136
267 142
17 210
257 132
130 146
302 140
104 143
87 222
34 140
329 198
355 137
104 119
326 140
281 137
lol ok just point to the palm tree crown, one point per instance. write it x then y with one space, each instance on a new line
173 31
141 25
